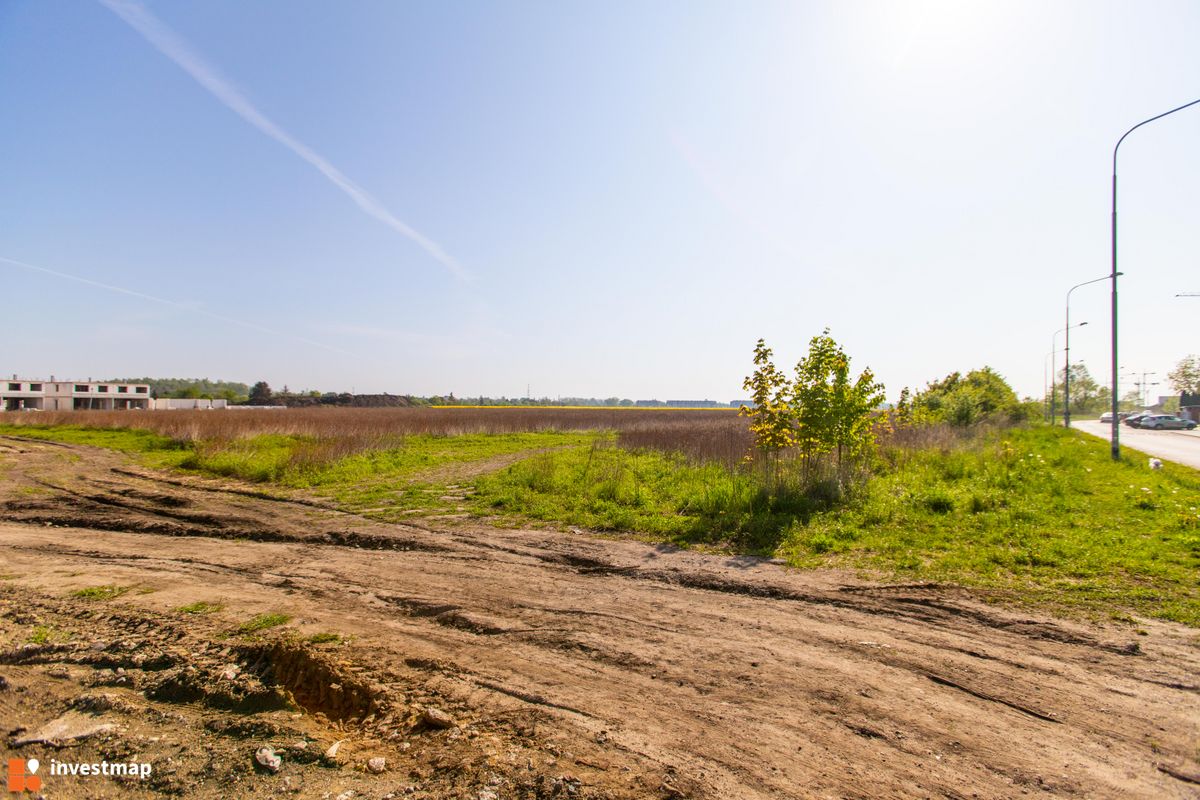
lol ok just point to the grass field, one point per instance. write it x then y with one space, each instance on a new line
655 494
369 425
1037 515
1043 514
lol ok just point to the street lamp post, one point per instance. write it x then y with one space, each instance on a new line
1053 354
1067 359
1116 427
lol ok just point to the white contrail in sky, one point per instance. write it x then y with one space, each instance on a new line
167 42
173 303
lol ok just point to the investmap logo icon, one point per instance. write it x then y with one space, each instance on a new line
22 775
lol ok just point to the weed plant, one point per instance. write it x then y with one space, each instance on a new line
201 607
101 592
262 622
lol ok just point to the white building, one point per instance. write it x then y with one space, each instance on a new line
22 394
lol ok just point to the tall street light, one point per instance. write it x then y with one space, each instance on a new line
1067 359
1053 355
1116 426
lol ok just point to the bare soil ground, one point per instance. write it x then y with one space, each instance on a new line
569 666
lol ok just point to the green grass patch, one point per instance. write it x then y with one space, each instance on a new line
387 483
385 478
262 622
48 634
655 494
127 440
201 607
302 461
106 592
150 448
260 458
420 453
324 637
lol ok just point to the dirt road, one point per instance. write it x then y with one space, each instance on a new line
569 665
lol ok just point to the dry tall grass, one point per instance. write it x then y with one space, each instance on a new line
379 423
717 436
724 439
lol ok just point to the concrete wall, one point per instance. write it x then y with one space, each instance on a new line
186 404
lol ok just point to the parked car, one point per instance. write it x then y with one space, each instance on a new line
1135 420
1156 422
1106 416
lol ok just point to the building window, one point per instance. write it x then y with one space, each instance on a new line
14 387
101 388
122 390
81 387
35 387
140 389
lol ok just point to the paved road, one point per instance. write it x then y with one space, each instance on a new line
1182 447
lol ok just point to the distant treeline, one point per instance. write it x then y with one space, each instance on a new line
345 399
598 402
193 388
261 394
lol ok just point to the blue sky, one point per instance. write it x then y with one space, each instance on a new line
593 199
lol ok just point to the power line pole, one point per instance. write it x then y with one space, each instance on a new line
1141 383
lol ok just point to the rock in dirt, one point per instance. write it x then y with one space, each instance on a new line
436 718
71 726
3 683
265 757
333 749
377 765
